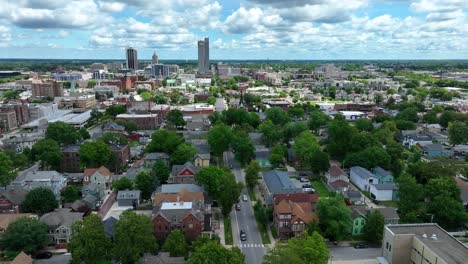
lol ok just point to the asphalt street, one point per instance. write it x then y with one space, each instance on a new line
252 248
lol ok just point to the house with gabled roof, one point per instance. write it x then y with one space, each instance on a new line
362 178
100 176
60 224
182 196
11 199
185 216
292 213
276 182
184 173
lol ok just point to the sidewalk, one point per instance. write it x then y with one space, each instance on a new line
221 235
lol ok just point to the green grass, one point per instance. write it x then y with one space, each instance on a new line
134 144
252 194
228 231
264 233
320 188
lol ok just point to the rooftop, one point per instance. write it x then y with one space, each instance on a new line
362 172
444 245
176 206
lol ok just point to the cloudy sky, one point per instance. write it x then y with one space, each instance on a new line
238 29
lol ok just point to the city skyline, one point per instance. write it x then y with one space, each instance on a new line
248 29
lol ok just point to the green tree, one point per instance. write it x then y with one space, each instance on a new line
243 147
70 194
277 115
277 155
183 153
373 231
115 110
6 168
39 200
214 253
175 244
89 243
123 183
362 141
443 192
160 171
164 141
271 134
95 153
317 119
260 213
304 144
335 217
363 124
129 126
305 249
317 160
296 111
409 114
112 138
292 130
25 234
251 174
340 134
176 118
91 83
458 133
219 138
369 158
48 152
11 95
62 133
146 183
211 100
425 171
411 202
134 236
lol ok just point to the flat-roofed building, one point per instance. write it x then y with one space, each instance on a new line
421 243
47 89
143 122
8 121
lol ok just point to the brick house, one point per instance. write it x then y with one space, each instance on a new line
185 216
121 157
183 173
293 212
71 159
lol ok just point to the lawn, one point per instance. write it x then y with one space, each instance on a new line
228 231
273 231
320 188
264 233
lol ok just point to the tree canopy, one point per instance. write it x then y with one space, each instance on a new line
25 234
183 153
251 174
164 141
335 217
219 137
146 183
48 152
62 133
277 115
160 170
39 200
373 231
176 118
175 244
70 194
95 154
214 253
123 183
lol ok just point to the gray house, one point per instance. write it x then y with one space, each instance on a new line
276 182
129 198
60 222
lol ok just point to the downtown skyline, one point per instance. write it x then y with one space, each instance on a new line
248 29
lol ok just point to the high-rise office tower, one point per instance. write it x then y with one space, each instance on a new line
132 58
204 55
154 59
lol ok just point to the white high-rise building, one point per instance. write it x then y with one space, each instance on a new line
132 58
204 55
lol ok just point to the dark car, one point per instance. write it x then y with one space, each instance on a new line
238 207
361 245
44 255
243 235
306 185
230 166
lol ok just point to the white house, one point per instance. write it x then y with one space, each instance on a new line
383 191
362 178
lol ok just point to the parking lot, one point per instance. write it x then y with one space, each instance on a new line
350 253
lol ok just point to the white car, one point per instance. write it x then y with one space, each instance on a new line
244 198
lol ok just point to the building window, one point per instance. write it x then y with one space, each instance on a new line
386 245
190 226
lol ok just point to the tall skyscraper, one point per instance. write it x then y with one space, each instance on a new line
132 58
204 55
154 59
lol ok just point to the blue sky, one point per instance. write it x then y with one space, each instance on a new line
238 29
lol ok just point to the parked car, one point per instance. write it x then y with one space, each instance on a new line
230 166
44 255
308 190
244 198
238 207
243 235
304 180
306 185
361 245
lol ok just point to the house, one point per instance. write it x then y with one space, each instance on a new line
132 172
121 156
60 222
292 213
339 186
33 178
276 182
185 216
71 159
176 188
151 158
11 199
262 156
436 150
183 173
129 198
359 216
101 177
362 178
382 175
161 258
411 138
112 126
383 191
182 196
21 258
7 219
390 214
202 160
352 195
335 173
